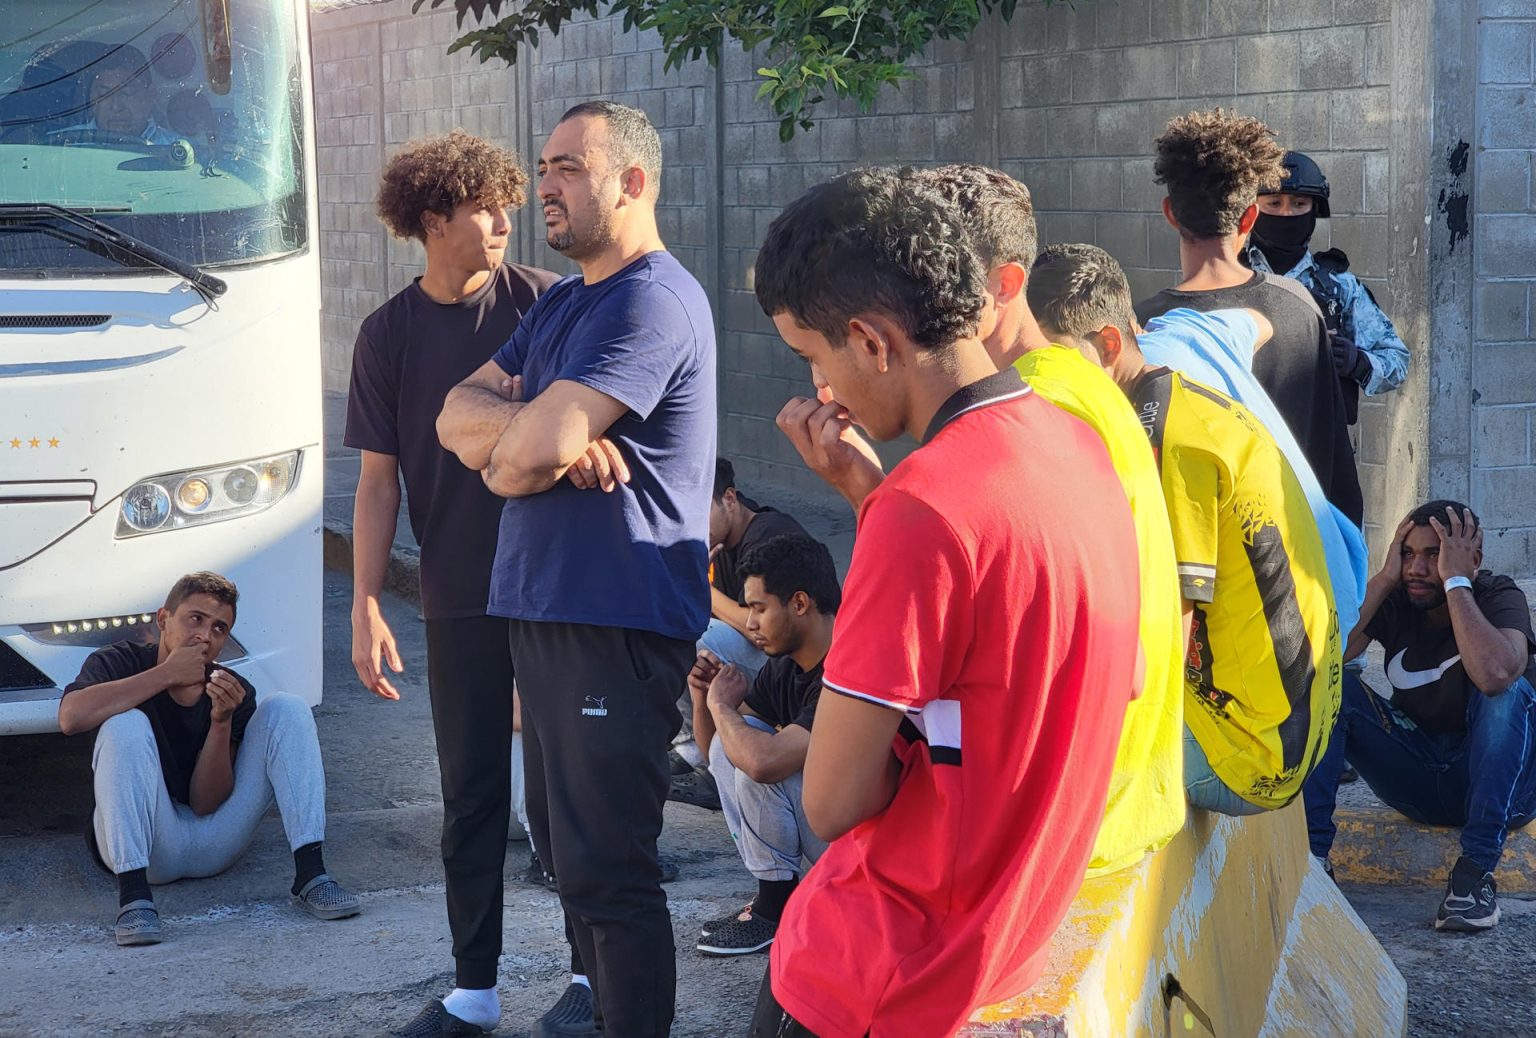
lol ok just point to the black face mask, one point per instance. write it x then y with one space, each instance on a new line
1283 239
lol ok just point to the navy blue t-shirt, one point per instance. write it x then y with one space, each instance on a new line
638 557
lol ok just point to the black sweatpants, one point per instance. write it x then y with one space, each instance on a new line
469 673
598 718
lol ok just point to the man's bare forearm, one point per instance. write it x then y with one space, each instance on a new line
85 708
728 610
213 777
472 422
375 512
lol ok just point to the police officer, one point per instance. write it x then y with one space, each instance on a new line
1367 352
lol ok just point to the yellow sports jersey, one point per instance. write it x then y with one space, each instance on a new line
1146 789
1263 664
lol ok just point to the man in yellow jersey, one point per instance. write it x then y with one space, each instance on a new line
1263 665
1146 792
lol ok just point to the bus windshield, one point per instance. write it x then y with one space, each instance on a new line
178 122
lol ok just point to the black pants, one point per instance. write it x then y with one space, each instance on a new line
469 672
598 717
770 1020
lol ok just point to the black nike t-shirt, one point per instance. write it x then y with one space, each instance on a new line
1296 370
1425 676
783 694
180 731
410 352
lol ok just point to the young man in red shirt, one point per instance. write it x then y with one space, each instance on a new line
986 648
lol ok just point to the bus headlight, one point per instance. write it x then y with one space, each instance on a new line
195 497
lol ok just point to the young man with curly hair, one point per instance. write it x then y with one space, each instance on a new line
604 595
1213 165
987 643
451 194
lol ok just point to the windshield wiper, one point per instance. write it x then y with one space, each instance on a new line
206 285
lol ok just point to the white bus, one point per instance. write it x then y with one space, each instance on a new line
159 333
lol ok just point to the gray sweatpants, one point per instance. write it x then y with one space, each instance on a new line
139 826
767 821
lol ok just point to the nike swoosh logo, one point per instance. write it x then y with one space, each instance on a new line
1403 679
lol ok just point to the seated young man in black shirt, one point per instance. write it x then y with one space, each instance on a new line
1213 165
1451 739
755 734
188 759
737 524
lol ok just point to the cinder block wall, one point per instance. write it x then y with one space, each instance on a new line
1503 242
1068 99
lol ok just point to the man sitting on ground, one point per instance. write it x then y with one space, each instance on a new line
1262 663
737 524
187 761
1452 740
757 732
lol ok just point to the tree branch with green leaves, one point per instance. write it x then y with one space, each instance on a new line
815 48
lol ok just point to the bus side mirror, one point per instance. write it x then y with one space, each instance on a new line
216 48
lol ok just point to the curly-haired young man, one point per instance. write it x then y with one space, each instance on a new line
1213 165
450 193
986 645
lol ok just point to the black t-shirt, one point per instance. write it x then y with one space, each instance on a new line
180 731
410 352
767 523
1296 370
1425 676
783 694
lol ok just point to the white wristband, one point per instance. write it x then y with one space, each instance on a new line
1456 582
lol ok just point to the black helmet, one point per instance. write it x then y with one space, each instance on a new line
1303 177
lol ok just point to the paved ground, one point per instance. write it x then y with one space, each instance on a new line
240 960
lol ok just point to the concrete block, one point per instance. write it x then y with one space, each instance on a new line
1300 120
1123 22
1501 374
1146 282
1346 177
1178 20
1503 311
1333 59
1504 51
1300 14
954 133
1138 190
1070 27
1360 118
1349 12
1269 63
1504 8
1049 182
1068 131
1065 227
1123 236
1506 245
1096 76
1502 438
1506 117
1227 898
1505 497
1022 132
1044 80
1378 55
1236 17
1503 181
1375 183
1120 129
1207 68
1096 185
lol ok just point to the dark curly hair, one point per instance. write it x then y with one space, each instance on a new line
794 562
878 239
1213 165
204 583
996 208
1076 289
437 174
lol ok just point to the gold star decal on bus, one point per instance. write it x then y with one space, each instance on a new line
15 444
53 441
35 442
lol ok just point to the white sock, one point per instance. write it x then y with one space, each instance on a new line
478 1006
519 798
581 978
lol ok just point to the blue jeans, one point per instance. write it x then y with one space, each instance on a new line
1482 779
1204 789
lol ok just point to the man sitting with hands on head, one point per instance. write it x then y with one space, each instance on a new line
1449 739
755 733
187 761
